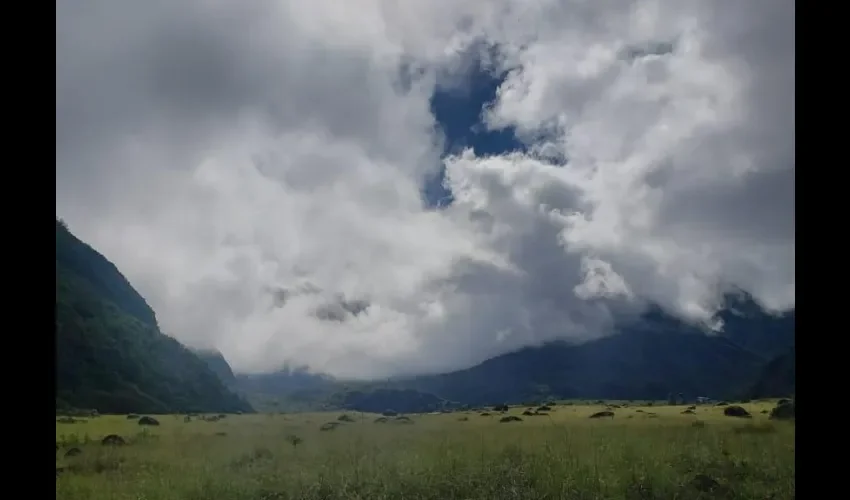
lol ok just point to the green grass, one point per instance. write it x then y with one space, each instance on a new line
564 455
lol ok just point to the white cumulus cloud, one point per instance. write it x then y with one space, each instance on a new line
255 170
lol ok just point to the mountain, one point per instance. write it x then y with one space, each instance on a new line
218 365
749 326
285 380
633 365
636 364
291 389
778 378
381 400
648 359
111 355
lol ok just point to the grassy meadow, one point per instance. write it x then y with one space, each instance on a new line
642 452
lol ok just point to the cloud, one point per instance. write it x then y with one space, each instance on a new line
255 169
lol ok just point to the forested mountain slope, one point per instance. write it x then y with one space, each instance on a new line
110 353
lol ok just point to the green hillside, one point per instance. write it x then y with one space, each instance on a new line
110 353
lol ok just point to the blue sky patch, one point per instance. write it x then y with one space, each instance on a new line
458 111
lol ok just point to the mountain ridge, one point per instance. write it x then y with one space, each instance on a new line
110 353
649 359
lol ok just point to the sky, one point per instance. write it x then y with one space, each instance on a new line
373 188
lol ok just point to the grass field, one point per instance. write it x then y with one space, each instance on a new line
565 455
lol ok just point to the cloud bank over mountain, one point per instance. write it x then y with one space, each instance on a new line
255 169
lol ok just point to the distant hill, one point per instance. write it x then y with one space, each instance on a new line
110 353
285 380
778 378
291 389
649 359
635 365
398 400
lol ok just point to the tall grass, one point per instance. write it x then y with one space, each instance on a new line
564 455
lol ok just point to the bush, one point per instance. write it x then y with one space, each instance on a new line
736 411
